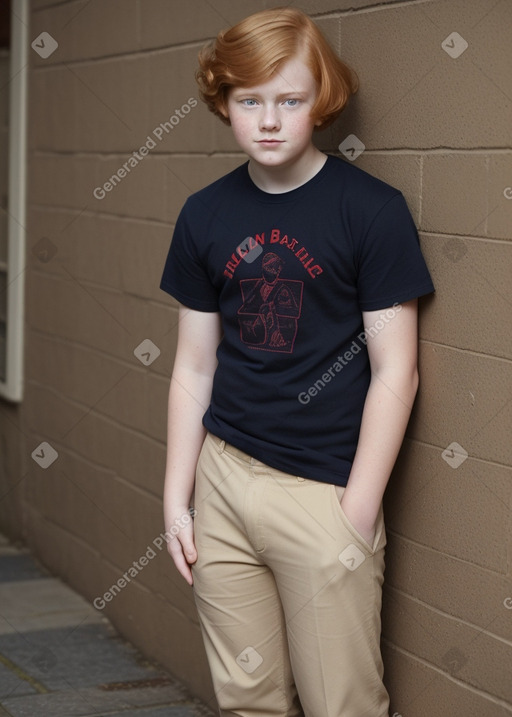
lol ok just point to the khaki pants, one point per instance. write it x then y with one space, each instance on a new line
288 593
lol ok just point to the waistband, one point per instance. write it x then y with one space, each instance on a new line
222 446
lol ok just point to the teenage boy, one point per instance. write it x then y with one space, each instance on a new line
297 276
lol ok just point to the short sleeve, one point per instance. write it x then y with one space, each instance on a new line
391 267
185 276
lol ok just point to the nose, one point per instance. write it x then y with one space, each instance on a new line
270 118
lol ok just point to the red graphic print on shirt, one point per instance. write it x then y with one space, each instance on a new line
271 308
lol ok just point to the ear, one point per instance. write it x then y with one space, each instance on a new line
223 110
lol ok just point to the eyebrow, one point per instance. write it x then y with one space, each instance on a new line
240 91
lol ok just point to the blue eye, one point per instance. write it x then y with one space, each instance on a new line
292 103
249 102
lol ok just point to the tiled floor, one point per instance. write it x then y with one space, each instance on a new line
59 657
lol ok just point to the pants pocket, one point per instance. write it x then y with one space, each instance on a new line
379 540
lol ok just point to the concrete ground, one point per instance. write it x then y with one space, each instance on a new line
59 657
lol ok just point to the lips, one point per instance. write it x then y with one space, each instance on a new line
270 141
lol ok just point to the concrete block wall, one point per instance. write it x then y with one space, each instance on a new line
434 116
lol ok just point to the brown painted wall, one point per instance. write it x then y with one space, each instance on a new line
434 124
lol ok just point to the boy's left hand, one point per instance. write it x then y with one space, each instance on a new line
358 516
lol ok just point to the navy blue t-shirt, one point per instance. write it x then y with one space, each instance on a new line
290 275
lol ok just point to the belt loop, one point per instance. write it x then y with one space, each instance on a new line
221 447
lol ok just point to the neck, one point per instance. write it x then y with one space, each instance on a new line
276 180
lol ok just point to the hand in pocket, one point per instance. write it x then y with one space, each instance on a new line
357 516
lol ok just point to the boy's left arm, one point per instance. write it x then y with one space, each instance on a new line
393 354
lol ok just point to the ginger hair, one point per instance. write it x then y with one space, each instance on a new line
250 52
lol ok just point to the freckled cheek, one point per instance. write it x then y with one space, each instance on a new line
301 127
242 128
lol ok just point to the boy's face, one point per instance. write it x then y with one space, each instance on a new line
271 122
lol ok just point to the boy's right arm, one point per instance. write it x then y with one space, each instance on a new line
199 334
